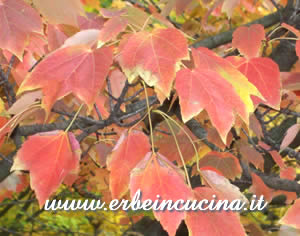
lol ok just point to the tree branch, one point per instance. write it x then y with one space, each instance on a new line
226 37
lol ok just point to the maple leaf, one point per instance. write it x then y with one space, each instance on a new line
259 188
18 21
154 56
75 68
181 5
277 158
103 150
255 126
20 70
290 135
167 146
112 28
248 40
14 182
275 155
37 44
214 223
225 162
290 81
228 6
288 173
92 21
117 80
206 89
56 37
55 11
135 16
214 137
264 74
291 217
130 149
219 183
205 59
24 102
7 126
155 175
49 157
297 33
110 13
249 154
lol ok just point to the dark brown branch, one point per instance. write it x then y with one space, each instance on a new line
226 37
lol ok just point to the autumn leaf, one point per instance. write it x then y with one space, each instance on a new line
290 81
153 57
99 183
221 184
85 37
155 175
264 74
206 89
130 149
110 13
290 135
135 16
18 21
213 223
103 150
49 157
21 68
117 82
207 59
214 137
291 217
7 126
24 102
254 126
277 158
112 28
167 147
56 37
91 21
15 182
249 154
225 162
288 173
74 68
37 44
55 11
297 33
181 5
248 40
259 188
228 6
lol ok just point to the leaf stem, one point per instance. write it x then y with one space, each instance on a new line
178 148
74 118
286 38
149 117
273 31
189 137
